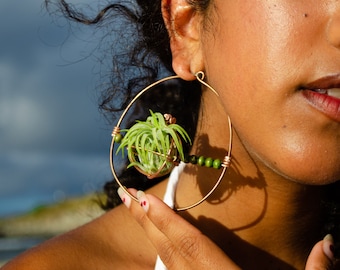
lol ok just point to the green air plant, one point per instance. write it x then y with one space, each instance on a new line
155 145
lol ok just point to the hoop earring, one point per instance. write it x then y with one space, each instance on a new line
169 151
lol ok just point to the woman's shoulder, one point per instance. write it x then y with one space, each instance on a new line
113 239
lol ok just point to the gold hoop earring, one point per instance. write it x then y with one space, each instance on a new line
161 149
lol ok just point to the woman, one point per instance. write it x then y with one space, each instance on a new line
276 68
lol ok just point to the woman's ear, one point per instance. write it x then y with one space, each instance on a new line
183 23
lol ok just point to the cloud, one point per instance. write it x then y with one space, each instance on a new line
53 139
40 99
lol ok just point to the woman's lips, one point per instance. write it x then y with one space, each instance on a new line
324 95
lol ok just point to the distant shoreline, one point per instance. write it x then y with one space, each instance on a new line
52 219
44 222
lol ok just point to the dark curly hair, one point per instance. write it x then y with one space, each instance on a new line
143 56
140 55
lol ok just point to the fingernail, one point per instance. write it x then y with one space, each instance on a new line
143 201
328 246
124 197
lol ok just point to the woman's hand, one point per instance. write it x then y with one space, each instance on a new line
321 256
179 244
182 246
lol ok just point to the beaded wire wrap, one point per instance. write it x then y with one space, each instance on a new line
116 137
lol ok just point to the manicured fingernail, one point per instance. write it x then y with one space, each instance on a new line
328 246
124 197
144 203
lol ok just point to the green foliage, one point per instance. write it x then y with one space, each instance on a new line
153 144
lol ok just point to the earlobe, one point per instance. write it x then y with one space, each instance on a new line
183 25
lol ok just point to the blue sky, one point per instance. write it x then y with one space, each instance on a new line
53 140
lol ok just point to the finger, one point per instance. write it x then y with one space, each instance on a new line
321 256
164 246
189 242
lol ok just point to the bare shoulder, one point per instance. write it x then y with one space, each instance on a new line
113 240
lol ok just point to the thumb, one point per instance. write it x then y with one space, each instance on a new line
322 255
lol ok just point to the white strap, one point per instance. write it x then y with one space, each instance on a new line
169 199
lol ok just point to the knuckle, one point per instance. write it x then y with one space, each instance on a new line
190 247
321 268
167 253
163 223
327 266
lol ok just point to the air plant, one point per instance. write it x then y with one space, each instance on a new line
154 146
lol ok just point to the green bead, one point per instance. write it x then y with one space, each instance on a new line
217 164
193 159
208 162
186 158
118 138
201 161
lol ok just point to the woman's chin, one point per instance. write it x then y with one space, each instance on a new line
322 175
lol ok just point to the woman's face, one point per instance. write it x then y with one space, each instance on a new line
276 65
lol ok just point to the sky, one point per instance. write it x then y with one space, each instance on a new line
54 142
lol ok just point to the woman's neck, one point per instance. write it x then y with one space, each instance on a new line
255 214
